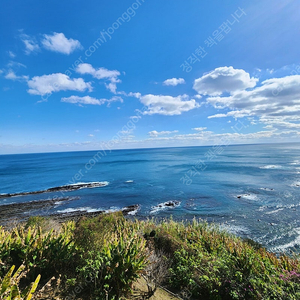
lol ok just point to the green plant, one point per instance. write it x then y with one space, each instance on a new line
9 285
116 260
47 253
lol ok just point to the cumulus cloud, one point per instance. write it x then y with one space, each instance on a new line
47 84
87 100
30 43
276 101
168 105
174 81
101 73
57 42
224 79
155 133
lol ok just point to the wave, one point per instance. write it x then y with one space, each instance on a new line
292 244
132 212
165 205
274 211
247 196
267 189
235 229
63 188
84 209
129 210
271 167
129 181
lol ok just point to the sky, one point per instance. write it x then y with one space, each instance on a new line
88 75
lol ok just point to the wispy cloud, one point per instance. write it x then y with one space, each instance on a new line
11 54
12 76
87 100
31 44
199 128
155 133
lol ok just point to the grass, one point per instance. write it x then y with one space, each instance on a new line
107 256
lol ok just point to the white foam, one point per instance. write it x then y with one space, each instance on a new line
133 213
267 189
96 183
235 229
129 181
296 184
70 210
112 209
295 162
292 244
163 206
274 211
248 197
271 167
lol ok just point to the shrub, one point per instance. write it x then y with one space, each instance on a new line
9 285
48 253
116 260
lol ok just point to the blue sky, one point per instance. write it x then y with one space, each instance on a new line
83 75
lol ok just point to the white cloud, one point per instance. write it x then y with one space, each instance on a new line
136 95
87 100
235 114
276 102
224 79
101 73
91 135
12 76
200 128
15 64
30 43
47 84
198 96
57 42
155 133
112 86
11 54
174 81
168 105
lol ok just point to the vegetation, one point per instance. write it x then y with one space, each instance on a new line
9 289
102 258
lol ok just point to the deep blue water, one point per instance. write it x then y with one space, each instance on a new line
264 176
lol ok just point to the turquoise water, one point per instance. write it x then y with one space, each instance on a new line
252 190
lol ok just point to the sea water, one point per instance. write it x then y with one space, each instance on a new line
250 190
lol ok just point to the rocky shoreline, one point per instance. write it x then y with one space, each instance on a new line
63 188
12 214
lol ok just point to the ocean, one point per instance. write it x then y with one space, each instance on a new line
250 190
